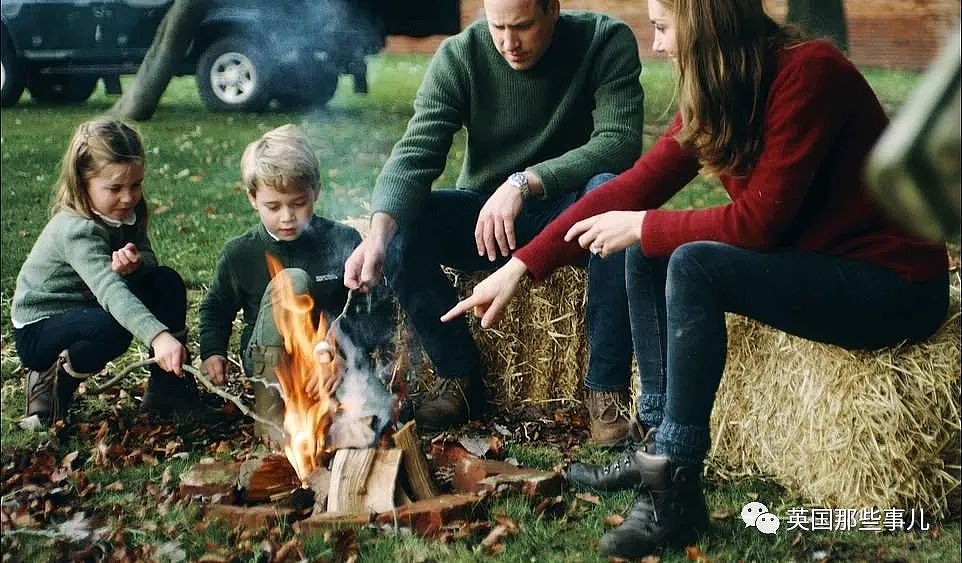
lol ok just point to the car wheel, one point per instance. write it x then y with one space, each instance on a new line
232 75
61 89
11 77
316 87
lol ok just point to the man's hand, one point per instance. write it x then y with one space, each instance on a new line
495 228
491 295
125 260
365 266
169 353
608 233
215 368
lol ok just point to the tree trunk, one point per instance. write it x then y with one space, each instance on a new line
167 50
820 18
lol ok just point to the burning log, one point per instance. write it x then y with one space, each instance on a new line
263 478
415 464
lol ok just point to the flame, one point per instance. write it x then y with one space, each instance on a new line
305 419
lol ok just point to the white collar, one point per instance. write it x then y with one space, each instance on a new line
130 220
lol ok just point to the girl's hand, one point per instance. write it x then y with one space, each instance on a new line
125 260
169 353
608 233
491 295
215 368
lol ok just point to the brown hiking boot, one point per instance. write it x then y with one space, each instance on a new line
609 419
49 396
450 402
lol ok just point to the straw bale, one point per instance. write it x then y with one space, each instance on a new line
845 429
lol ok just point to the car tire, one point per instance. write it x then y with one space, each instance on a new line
233 75
316 87
11 76
60 88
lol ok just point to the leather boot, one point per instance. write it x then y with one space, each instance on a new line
618 475
450 402
607 411
49 394
669 511
168 395
268 403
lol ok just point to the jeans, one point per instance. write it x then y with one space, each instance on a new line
444 234
91 336
677 308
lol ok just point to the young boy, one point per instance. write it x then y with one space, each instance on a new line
281 174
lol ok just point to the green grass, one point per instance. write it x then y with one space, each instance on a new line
193 184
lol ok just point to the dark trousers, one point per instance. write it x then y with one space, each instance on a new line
677 308
91 335
444 234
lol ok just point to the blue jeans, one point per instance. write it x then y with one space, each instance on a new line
92 336
444 234
677 308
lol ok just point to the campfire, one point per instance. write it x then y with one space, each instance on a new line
343 462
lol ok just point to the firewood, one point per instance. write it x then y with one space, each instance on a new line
327 521
415 464
469 471
427 517
249 517
320 482
363 480
349 473
263 478
214 479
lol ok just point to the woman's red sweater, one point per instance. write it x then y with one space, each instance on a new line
806 190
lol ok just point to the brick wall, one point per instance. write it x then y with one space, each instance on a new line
882 33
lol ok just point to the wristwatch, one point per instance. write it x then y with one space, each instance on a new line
520 181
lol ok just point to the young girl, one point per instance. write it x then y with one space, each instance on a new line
91 282
786 124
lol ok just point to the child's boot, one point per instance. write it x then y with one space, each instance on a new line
268 403
50 393
168 394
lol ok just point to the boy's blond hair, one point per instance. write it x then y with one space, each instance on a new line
281 159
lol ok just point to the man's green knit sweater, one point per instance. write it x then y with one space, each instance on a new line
576 113
69 267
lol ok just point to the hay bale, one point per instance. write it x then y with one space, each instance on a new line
841 428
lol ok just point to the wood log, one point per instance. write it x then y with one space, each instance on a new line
469 471
427 517
249 517
416 470
214 479
320 482
364 481
264 478
327 521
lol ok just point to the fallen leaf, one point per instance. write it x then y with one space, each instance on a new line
651 559
692 553
720 513
614 520
753 496
477 446
588 497
115 487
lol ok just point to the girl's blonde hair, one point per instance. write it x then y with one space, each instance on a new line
95 144
725 51
282 159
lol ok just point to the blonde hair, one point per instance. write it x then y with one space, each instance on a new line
725 52
281 159
95 144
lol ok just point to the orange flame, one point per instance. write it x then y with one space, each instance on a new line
305 419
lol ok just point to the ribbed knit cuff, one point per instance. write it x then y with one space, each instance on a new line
685 445
651 409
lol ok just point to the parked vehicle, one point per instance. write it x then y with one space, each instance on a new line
247 52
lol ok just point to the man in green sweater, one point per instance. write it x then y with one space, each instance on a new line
552 107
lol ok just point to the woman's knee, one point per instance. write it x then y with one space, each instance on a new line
692 264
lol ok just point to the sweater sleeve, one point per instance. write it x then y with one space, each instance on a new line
618 116
655 177
807 107
421 154
219 309
87 250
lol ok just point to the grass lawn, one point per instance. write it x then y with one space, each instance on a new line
125 468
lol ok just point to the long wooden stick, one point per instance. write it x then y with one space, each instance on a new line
200 377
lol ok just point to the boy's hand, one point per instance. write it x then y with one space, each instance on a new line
169 353
125 260
215 368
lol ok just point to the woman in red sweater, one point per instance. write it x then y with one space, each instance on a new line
786 124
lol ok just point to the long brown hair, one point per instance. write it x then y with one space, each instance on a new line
725 51
95 144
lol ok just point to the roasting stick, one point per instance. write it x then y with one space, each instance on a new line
200 377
